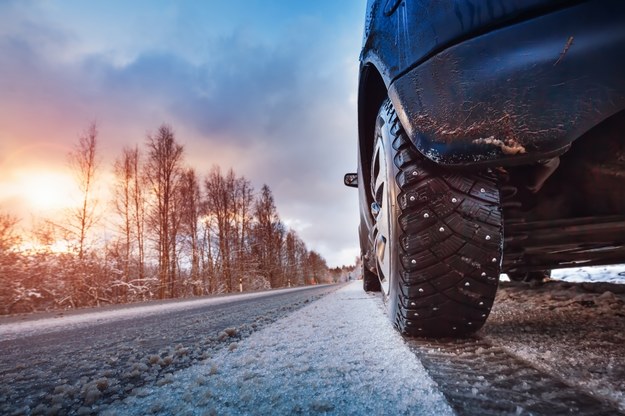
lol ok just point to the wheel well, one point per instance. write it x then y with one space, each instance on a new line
588 181
371 93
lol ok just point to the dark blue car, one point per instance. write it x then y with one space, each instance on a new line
491 140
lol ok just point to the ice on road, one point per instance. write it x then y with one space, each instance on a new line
338 355
87 318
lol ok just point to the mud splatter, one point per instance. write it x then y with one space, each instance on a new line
509 147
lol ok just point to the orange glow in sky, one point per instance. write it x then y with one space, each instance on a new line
38 191
46 190
265 88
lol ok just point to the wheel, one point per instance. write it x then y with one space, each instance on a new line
438 237
370 281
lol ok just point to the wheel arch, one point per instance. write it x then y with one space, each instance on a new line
372 92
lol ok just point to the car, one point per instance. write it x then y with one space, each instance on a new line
491 139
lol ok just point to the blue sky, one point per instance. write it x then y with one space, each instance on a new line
265 87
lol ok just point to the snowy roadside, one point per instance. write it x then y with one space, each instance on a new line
612 274
338 355
573 328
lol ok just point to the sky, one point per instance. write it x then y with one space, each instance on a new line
267 88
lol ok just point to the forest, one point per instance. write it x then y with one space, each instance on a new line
175 234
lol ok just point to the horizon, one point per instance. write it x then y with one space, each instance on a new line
234 81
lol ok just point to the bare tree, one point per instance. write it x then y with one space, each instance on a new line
208 263
268 238
242 221
219 208
292 259
129 204
8 233
138 202
9 282
319 269
83 160
190 212
228 209
163 170
122 202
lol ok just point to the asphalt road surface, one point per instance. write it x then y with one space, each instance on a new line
557 348
60 366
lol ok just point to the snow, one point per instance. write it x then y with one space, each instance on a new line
338 355
341 355
83 318
612 274
573 328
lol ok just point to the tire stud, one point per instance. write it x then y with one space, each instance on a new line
413 304
494 260
482 190
413 261
426 215
481 303
442 229
420 290
483 274
454 328
412 198
467 284
416 314
483 315
454 200
420 329
415 173
434 308
487 237
470 323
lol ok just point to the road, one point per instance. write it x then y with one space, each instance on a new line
552 349
59 362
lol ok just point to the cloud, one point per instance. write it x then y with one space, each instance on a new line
277 107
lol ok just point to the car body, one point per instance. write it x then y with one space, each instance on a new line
531 92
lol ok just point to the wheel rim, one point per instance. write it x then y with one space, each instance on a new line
381 189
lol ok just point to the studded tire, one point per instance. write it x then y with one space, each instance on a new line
438 237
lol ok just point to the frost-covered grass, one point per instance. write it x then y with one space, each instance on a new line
338 355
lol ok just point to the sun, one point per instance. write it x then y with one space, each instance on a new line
46 190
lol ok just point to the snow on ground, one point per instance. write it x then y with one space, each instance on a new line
612 274
338 355
575 331
10 328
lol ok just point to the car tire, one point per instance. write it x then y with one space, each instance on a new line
438 237
370 281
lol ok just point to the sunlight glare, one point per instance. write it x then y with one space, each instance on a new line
47 191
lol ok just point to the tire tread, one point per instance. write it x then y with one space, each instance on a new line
450 261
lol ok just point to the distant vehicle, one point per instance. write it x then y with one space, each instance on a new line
491 140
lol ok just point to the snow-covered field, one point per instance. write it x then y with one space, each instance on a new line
338 355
